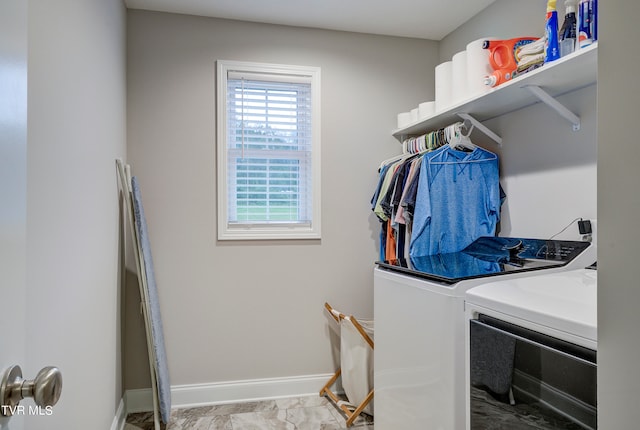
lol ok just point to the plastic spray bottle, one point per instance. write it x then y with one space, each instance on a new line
587 22
568 29
552 50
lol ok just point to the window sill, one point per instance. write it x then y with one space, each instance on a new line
268 233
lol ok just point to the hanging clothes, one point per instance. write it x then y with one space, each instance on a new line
408 200
386 178
385 203
457 200
426 205
391 245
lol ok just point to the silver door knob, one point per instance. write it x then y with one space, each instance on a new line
45 388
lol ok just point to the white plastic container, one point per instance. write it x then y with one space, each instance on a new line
426 109
444 77
459 75
404 119
478 67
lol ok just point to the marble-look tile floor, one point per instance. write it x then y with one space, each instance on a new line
297 413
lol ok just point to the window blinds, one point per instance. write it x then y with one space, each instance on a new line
269 149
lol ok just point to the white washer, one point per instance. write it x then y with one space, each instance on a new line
562 305
419 365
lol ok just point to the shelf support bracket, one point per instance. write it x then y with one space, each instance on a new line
480 126
555 105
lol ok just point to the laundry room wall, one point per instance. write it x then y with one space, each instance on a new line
548 171
251 310
619 209
502 19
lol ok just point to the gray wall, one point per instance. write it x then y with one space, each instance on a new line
504 19
619 208
238 311
76 129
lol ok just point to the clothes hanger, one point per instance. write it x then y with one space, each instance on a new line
461 141
417 145
410 147
394 159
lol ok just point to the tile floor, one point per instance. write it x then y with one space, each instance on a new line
297 413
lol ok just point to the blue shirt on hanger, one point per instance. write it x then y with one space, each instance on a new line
457 201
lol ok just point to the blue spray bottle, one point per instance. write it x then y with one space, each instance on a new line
552 49
587 22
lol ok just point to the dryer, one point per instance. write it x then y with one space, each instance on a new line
419 357
539 336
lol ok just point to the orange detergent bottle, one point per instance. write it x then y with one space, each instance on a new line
502 58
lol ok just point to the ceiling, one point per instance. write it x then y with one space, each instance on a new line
425 19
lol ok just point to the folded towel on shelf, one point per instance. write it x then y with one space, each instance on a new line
530 48
530 56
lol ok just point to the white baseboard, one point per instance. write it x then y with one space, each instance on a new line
183 396
121 416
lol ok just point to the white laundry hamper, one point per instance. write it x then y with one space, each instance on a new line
356 366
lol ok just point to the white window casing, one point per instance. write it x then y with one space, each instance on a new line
268 151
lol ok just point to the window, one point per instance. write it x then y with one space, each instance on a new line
268 151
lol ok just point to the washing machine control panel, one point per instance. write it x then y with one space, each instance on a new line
489 256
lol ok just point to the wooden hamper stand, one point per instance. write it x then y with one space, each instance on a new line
346 407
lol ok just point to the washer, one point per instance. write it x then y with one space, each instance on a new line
419 365
552 319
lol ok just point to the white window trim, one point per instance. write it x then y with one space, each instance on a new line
261 231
